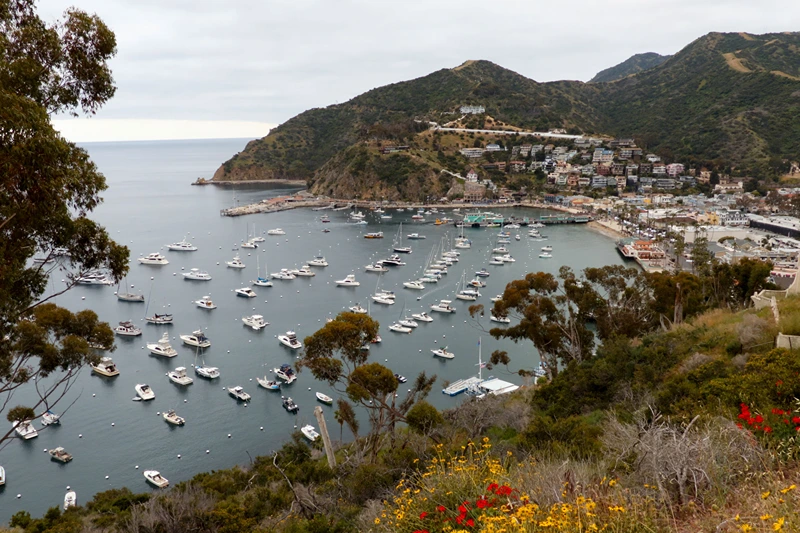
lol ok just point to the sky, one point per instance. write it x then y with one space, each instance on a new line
212 68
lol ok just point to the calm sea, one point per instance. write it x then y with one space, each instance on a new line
150 203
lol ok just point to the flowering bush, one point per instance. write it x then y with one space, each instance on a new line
779 429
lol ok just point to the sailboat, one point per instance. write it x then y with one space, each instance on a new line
464 293
468 384
398 242
461 241
129 296
260 281
157 318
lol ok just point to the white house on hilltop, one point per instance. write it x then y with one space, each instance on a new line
472 109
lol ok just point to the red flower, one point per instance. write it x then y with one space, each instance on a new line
759 419
441 508
739 426
482 504
777 411
421 531
796 419
423 514
767 429
493 486
778 383
460 519
471 522
505 490
462 509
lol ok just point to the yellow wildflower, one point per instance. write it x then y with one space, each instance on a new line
765 517
778 525
612 482
765 495
746 528
789 488
377 520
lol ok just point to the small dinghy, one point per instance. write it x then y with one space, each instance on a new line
324 398
443 353
289 404
269 384
49 418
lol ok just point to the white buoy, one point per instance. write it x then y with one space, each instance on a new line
93 395
208 451
261 428
179 456
80 435
137 467
184 401
106 477
112 424
229 435
19 496
83 297
45 450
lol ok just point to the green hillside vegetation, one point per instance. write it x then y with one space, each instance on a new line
725 98
633 65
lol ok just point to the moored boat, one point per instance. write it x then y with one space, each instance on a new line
155 478
144 391
25 429
256 322
289 404
159 319
324 398
205 303
195 274
309 432
162 347
286 373
59 454
171 417
290 340
127 329
179 376
443 307
70 499
239 393
197 338
245 292
105 367
443 353
269 384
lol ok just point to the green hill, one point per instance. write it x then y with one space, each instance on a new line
632 65
725 97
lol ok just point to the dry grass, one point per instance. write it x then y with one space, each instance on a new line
735 63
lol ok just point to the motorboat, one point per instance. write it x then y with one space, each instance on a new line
182 246
382 298
245 292
208 372
396 327
348 281
357 309
286 373
324 398
482 273
304 272
400 379
309 432
415 236
249 245
318 261
375 235
417 217
500 250
422 317
500 319
416 285
443 353
49 418
383 293
504 241
289 404
127 329
497 298
70 499
386 217
547 248
162 347
239 393
496 261
290 340
468 295
256 322
443 307
25 429
195 274
283 274
476 283
105 367
394 260
508 259
144 391
171 417
324 219
408 322
545 255
463 243
429 279
197 338
93 278
357 215
205 303
276 231
179 377
155 478
153 259
269 384
236 262
2 476
159 319
375 267
59 454
517 237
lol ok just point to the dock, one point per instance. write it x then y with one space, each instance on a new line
565 219
462 385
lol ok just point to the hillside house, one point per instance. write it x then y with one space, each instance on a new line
602 156
515 151
665 183
584 181
659 170
631 169
622 143
393 149
525 150
517 166
617 169
653 158
501 166
674 170
493 147
472 109
474 192
562 180
471 175
472 153
604 170
600 182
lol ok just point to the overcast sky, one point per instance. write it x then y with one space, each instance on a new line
206 68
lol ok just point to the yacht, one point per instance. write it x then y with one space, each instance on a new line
399 329
205 303
496 261
159 319
144 391
304 272
290 340
261 282
545 255
348 281
127 329
182 246
276 231
239 393
417 217
416 285
93 278
497 298
375 267
155 478
415 236
249 245
476 283
375 235
286 373
256 322
422 317
357 309
408 322
236 262
197 275
59 454
547 248
197 338
171 417
2 476
208 372
269 384
508 259
324 398
105 367
402 249
357 215
400 379
500 319
153 259
443 353
382 298
130 297
482 273
245 292
443 307
162 347
318 261
70 499
283 274
468 295
179 376
500 250
309 432
429 278
50 418
289 404
394 260
25 429
517 237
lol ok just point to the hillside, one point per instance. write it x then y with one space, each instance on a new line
725 97
633 65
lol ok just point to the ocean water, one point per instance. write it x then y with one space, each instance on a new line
149 204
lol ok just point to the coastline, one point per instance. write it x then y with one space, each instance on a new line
604 227
201 181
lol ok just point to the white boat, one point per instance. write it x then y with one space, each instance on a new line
50 418
357 309
197 338
309 432
429 279
422 317
144 391
415 236
324 398
348 281
443 353
399 329
208 372
197 275
286 373
467 295
394 260
205 303
417 217
284 274
155 478
256 322
153 259
318 261
500 319
545 255
386 217
517 237
171 417
25 429
477 283
496 261
276 231
416 285
482 273
60 455
500 250
375 235
179 376
182 246
375 267
245 292
70 499
127 329
93 278
304 272
547 248
2 476
357 215
289 404
239 393
408 322
507 258
261 282
236 262
162 347
159 319
290 340
249 244
105 367
130 297
443 307
269 384
382 298
497 298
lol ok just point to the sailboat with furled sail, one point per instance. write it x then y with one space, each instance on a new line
398 242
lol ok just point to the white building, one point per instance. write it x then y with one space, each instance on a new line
472 109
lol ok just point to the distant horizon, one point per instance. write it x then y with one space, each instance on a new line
90 130
198 139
